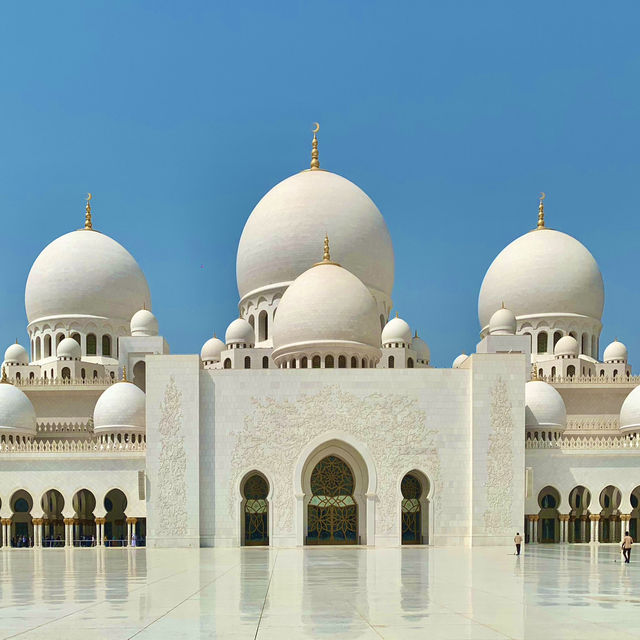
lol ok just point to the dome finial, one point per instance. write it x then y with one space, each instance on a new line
543 195
534 372
315 162
87 216
124 374
326 256
396 313
4 379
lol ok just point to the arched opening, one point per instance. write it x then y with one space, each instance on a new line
549 522
382 322
315 362
542 342
635 513
227 363
66 373
83 373
265 362
263 326
553 372
391 362
304 362
332 512
585 344
409 363
252 322
364 363
38 348
255 509
52 504
115 527
328 362
140 375
247 362
91 344
342 362
609 523
21 529
415 508
47 346
579 524
293 364
571 371
556 336
59 339
76 337
84 522
106 345
354 362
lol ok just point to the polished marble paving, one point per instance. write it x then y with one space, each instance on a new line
551 592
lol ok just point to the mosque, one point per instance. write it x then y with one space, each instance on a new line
319 418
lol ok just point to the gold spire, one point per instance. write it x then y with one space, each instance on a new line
87 216
4 379
543 195
326 255
124 375
534 372
315 162
396 313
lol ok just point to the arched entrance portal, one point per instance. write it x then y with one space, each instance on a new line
53 533
549 527
115 527
21 532
415 508
84 522
332 512
255 509
579 528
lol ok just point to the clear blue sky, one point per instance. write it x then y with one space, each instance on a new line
179 116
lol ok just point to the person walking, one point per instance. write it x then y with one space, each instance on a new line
627 541
518 540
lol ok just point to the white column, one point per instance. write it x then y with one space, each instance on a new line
535 529
129 527
4 534
624 525
583 528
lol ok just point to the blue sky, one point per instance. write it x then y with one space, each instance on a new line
179 116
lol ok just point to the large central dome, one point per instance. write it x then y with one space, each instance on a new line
85 273
280 238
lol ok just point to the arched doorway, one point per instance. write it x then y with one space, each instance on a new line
579 525
549 527
115 526
609 524
332 512
635 513
84 525
21 532
52 504
415 508
255 510
140 375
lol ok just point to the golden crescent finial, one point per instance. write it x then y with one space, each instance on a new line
542 196
316 127
87 216
89 196
315 162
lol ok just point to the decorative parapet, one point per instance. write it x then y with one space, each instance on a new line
616 442
586 380
48 428
72 446
52 383
593 423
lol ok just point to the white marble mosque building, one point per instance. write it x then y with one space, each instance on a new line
318 420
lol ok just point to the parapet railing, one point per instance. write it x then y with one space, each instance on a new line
71 446
585 442
62 382
620 379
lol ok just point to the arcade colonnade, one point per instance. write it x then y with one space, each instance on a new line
581 517
80 520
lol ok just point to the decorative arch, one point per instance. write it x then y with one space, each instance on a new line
255 517
415 491
549 524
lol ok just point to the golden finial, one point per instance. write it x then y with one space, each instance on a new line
124 374
534 372
87 215
502 307
396 313
416 334
326 255
315 162
214 334
543 195
4 378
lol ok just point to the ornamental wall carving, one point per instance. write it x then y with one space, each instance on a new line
393 427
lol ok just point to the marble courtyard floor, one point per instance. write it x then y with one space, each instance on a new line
552 592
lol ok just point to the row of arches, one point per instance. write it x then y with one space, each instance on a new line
585 371
333 506
46 346
544 341
585 521
78 526
329 362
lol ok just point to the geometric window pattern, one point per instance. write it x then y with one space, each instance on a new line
256 511
411 510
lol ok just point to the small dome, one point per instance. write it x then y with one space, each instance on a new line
144 323
16 354
211 350
69 349
459 361
503 323
421 348
630 412
566 346
120 408
544 406
240 332
327 308
615 352
17 415
396 330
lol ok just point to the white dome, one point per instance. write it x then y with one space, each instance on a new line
16 354
144 323
630 412
544 406
614 352
396 330
69 349
459 361
566 346
211 350
543 272
85 273
327 306
120 408
503 323
279 240
17 415
240 332
421 348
